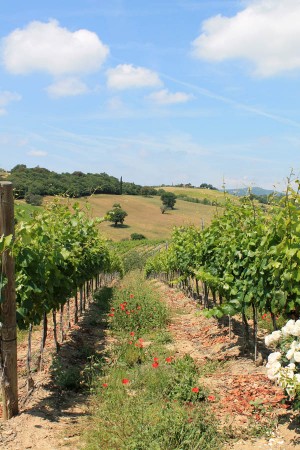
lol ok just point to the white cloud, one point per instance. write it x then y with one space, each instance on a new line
266 33
115 104
126 76
37 153
164 97
7 97
50 48
67 87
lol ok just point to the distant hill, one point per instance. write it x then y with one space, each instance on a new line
240 192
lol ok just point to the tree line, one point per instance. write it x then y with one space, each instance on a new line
38 181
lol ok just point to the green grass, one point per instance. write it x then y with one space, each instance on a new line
135 308
146 399
211 195
24 211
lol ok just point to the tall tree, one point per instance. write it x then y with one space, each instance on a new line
168 199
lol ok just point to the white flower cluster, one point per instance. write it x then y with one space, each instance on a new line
283 365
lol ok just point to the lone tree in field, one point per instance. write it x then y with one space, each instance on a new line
168 199
116 214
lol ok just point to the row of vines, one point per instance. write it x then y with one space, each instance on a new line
248 259
59 255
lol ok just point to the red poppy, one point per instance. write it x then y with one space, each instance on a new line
105 385
155 365
195 389
125 381
138 307
111 315
155 359
211 398
169 359
131 296
131 333
130 342
141 340
122 306
112 309
128 313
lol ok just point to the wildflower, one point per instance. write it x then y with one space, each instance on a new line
139 345
155 365
155 359
195 389
111 315
264 316
138 307
130 342
112 309
105 385
128 313
211 398
125 381
131 296
169 359
131 333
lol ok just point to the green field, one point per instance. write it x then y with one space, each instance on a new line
23 211
201 194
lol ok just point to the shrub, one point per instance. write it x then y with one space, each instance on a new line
137 236
34 199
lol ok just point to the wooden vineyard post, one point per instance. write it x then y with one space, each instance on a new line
8 373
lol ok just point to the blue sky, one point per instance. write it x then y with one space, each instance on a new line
157 91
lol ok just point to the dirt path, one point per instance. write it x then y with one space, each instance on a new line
235 382
51 418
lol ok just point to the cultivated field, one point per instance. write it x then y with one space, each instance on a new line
145 217
201 194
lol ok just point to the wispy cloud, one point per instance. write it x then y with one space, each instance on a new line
68 87
37 153
251 109
6 97
127 76
179 142
165 97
